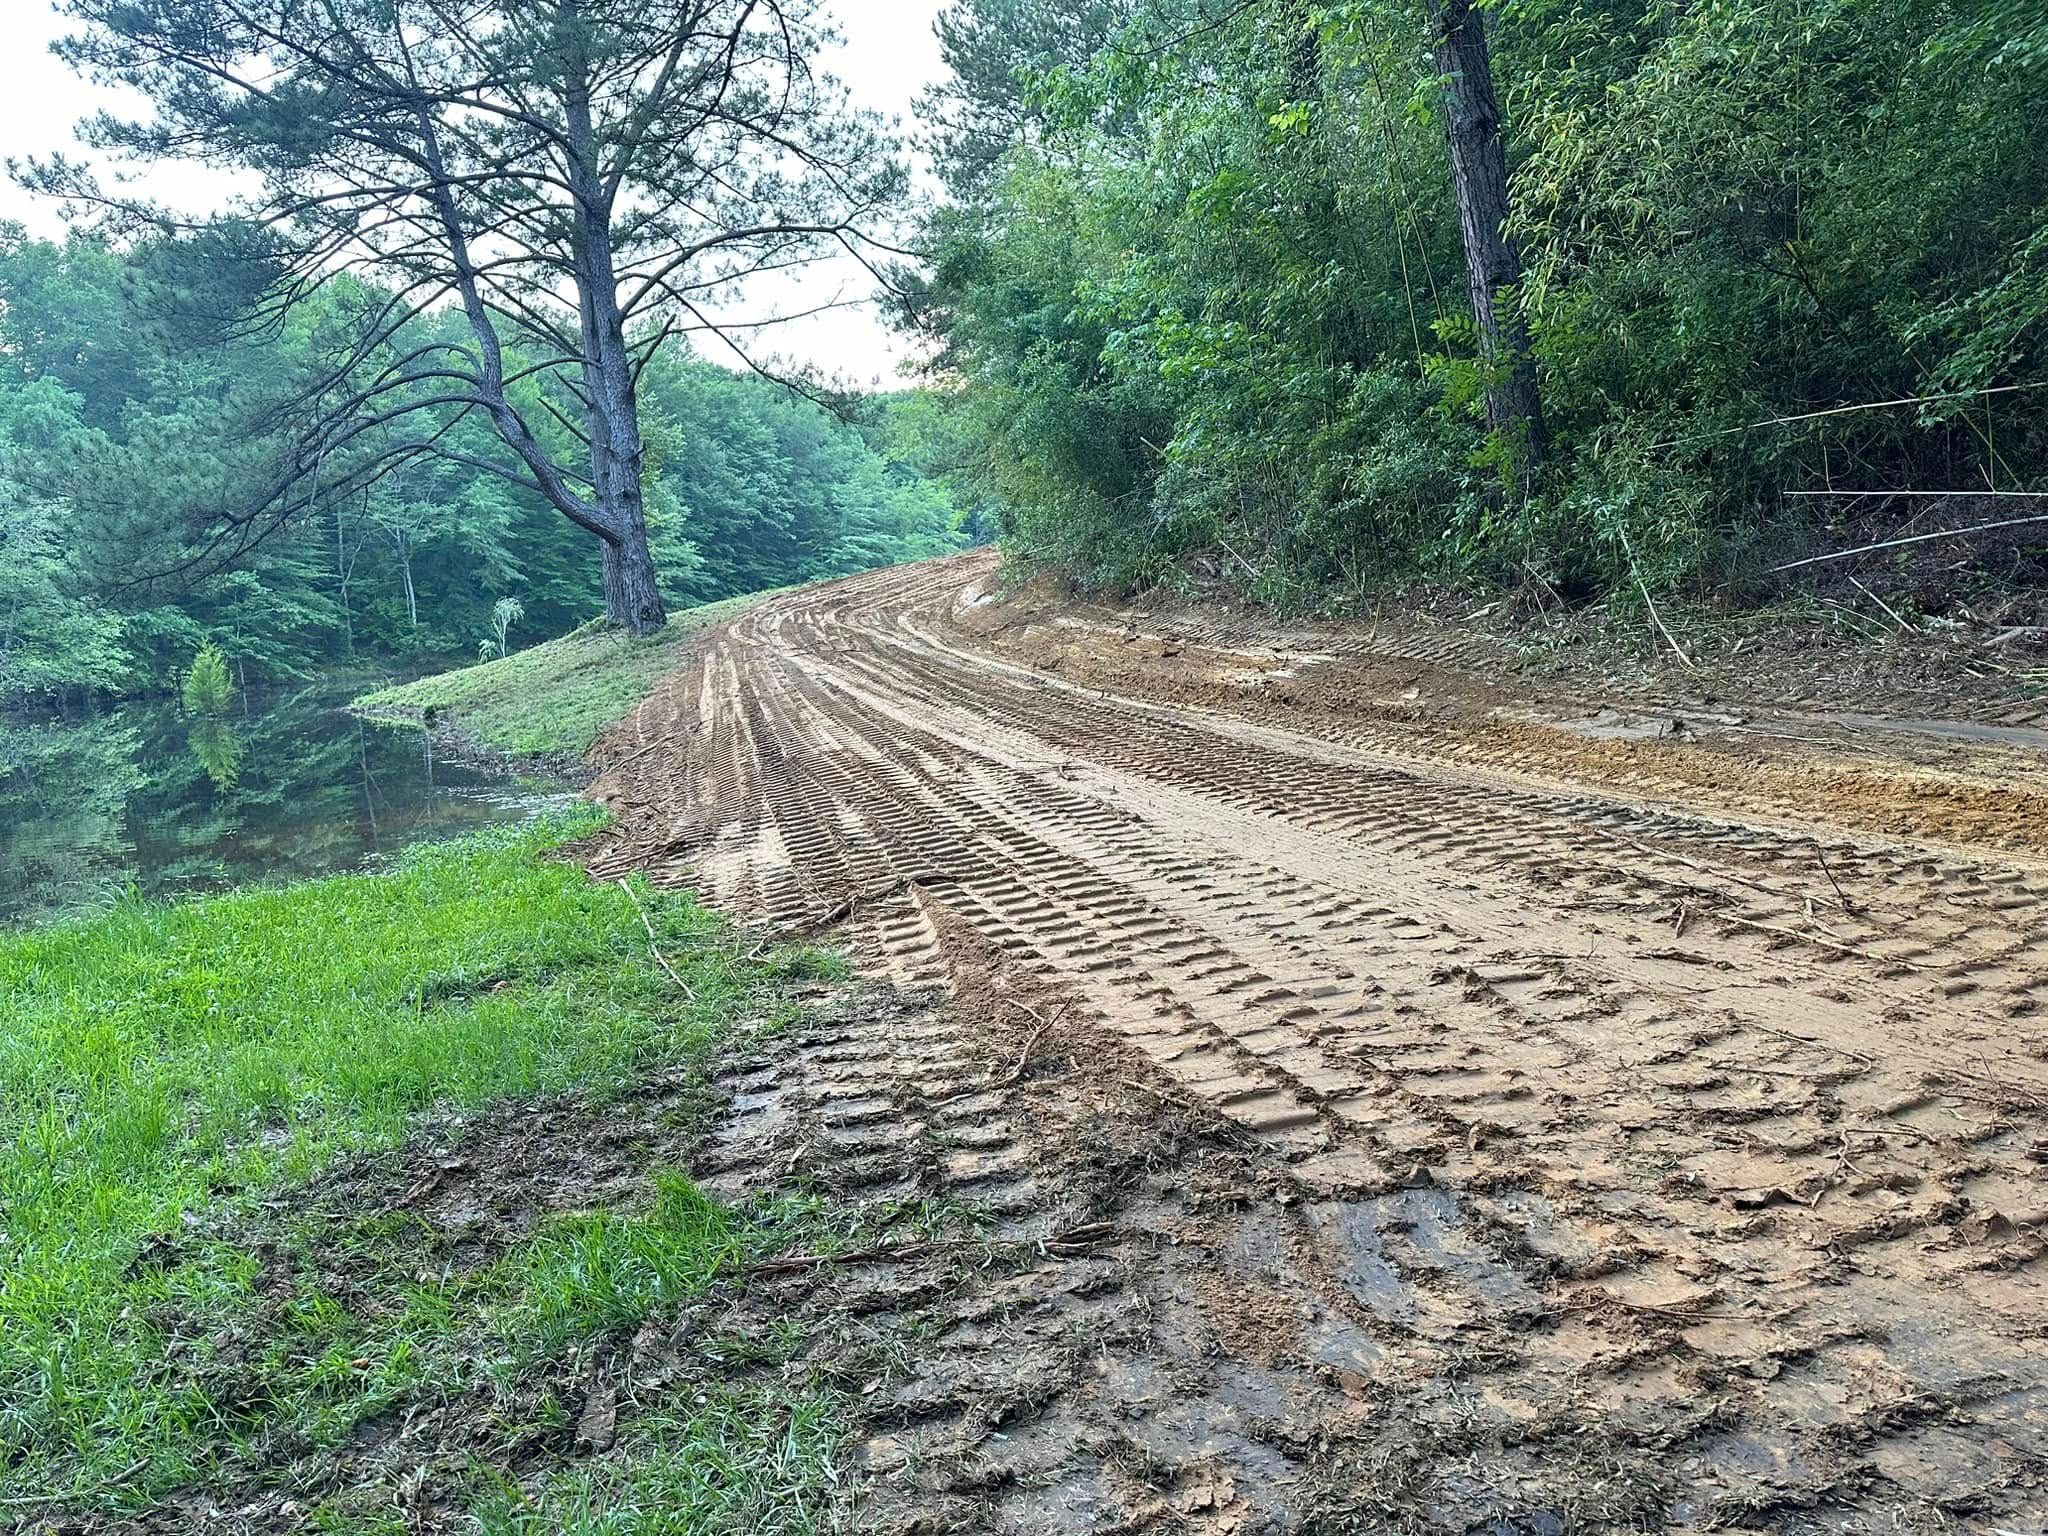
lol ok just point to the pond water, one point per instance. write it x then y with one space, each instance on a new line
290 784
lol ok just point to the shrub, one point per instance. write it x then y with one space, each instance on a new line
207 686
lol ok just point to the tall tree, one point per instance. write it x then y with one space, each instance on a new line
582 179
1493 268
992 49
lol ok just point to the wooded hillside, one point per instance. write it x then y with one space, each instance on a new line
1205 282
128 425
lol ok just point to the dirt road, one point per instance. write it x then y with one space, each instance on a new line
1518 1109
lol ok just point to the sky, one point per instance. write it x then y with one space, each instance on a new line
889 56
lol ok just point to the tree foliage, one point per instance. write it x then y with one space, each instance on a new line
122 430
571 181
207 684
1205 309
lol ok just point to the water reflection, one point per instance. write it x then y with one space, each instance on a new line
218 749
139 795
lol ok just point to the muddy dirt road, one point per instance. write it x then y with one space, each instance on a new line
1515 1109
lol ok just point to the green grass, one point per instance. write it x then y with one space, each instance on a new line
175 1075
589 1274
555 698
739 1461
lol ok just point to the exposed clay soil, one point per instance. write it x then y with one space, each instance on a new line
1440 1098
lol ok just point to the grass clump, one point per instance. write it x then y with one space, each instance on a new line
553 699
607 1270
738 1461
177 1305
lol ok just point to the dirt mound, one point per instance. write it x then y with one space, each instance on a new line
1419 691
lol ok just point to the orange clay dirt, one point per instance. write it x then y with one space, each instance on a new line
1484 1106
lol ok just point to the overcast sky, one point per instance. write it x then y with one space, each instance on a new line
889 56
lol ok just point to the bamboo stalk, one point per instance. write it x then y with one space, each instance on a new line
1844 410
1918 538
1887 607
1658 618
1971 495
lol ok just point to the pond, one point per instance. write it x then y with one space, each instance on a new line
290 784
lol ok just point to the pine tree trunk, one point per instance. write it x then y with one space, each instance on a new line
632 599
1479 175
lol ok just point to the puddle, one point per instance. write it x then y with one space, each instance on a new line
1428 1220
290 786
1351 1231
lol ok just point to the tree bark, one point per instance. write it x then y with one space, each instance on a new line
631 597
617 461
1479 176
611 405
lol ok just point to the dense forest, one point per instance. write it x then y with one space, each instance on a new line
428 379
1300 297
1203 286
119 437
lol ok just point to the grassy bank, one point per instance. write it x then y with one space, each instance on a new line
553 699
320 1196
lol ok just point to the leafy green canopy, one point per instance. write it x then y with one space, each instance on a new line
126 422
576 181
1203 309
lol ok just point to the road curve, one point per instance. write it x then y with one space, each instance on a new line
1726 1127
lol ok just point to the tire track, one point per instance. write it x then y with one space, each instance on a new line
1714 1135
